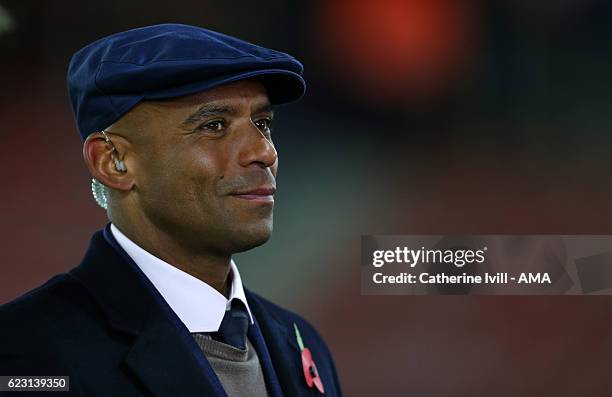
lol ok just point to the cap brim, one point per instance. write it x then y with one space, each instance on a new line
282 86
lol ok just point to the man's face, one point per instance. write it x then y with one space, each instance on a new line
206 167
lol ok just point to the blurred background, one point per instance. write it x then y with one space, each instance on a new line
421 117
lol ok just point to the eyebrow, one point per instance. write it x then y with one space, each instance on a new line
210 110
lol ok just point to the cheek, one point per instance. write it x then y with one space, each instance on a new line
197 172
176 177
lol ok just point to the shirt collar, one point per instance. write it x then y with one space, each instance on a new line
199 306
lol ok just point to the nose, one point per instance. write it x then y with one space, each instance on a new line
256 148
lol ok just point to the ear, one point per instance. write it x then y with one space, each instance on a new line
100 159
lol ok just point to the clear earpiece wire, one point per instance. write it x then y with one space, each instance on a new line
99 194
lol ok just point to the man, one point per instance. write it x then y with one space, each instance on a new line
176 126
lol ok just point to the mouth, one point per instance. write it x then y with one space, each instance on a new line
262 194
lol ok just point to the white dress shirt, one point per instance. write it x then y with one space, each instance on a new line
199 306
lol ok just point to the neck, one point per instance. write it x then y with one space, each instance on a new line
213 269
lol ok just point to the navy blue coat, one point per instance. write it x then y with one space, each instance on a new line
104 325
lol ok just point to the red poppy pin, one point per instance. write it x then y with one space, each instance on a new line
308 365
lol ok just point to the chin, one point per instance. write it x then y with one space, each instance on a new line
251 237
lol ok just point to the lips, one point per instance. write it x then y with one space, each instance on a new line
261 194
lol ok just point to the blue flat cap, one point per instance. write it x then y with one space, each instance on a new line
110 76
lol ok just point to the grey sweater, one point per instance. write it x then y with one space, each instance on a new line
238 370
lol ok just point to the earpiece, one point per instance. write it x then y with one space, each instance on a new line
119 164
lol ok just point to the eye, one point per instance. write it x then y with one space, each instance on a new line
215 126
264 125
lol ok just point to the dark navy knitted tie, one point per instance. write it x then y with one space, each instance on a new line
234 327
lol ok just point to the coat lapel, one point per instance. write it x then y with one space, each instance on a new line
167 366
283 348
163 356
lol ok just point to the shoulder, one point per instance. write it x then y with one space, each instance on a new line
53 300
280 313
37 303
311 338
38 328
289 318
46 317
